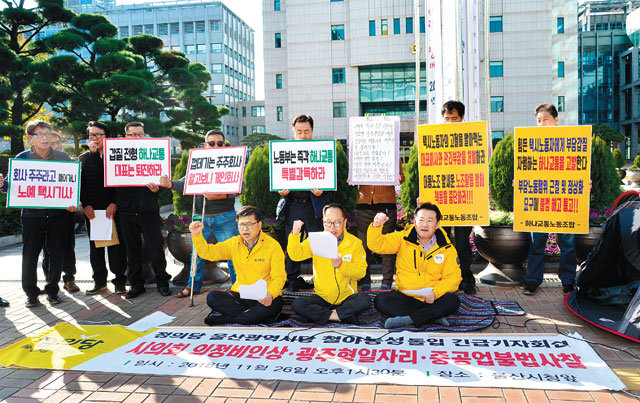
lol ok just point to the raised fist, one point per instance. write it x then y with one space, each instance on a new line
380 219
297 227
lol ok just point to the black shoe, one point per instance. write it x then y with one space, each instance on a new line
134 292
3 303
120 289
567 288
215 319
32 302
299 285
96 289
468 288
350 320
164 291
54 299
530 288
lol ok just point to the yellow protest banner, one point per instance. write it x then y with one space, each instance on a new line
65 345
453 171
552 167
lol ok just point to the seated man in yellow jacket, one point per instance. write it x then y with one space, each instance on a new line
336 280
426 259
255 256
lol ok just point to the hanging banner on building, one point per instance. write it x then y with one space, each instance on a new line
215 170
136 162
374 150
302 164
317 355
453 171
43 184
552 167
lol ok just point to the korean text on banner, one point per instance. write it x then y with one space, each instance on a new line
373 150
43 184
136 162
453 171
215 170
552 166
302 164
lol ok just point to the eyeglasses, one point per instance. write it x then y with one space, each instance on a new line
96 135
45 134
214 143
247 225
334 224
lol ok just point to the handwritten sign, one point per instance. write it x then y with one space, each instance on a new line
135 162
373 150
453 168
43 184
215 170
302 164
551 179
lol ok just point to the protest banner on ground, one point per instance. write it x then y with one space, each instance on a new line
552 167
43 184
136 162
215 170
374 150
320 355
453 168
302 164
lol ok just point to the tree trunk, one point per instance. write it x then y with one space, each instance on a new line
17 109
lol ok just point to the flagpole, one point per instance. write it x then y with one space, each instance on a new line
416 32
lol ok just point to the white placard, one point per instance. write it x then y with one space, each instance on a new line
256 291
101 226
136 162
43 184
302 164
374 150
215 170
158 318
323 244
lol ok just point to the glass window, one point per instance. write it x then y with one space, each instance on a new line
214 25
495 23
216 68
339 109
335 1
497 134
278 38
337 76
337 32
384 27
276 5
278 81
200 49
216 48
372 27
188 27
190 49
217 88
560 69
396 26
163 29
497 104
148 29
560 25
495 69
258 129
409 25
124 31
137 29
174 28
257 111
244 111
422 24
279 113
561 103
200 27
244 131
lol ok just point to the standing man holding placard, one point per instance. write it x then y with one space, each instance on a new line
219 217
139 215
301 205
95 196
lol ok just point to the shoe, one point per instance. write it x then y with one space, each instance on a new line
32 302
120 289
71 286
567 288
164 291
385 287
299 285
530 288
54 299
42 292
186 293
96 289
3 303
365 287
134 292
215 318
468 288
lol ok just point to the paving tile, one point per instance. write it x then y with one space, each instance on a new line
115 382
313 396
39 394
136 398
481 392
344 393
381 398
238 383
427 394
165 380
397 389
153 389
449 394
58 396
622 397
316 387
155 398
514 395
83 386
184 399
536 396
206 387
187 386
215 400
364 393
107 396
231 392
264 389
284 390
472 399
6 392
568 395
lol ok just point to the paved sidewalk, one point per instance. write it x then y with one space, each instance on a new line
72 386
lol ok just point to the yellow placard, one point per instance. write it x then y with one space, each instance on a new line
552 166
65 345
453 171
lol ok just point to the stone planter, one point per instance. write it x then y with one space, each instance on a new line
584 243
634 177
506 251
179 244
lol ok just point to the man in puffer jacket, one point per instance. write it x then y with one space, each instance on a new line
427 269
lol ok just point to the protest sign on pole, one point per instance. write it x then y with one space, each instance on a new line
43 184
374 150
552 167
136 162
215 170
302 164
453 171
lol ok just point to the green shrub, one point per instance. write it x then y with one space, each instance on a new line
182 204
501 174
604 178
10 223
409 187
257 189
618 158
636 161
608 134
345 195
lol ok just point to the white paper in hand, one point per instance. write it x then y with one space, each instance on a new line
101 226
422 292
323 244
257 290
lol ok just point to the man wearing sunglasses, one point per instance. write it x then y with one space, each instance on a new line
336 295
219 216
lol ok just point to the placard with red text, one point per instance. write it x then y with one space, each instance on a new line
136 162
215 170
43 184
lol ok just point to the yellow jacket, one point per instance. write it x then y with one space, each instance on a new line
331 284
438 268
265 261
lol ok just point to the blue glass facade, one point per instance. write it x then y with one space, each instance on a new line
390 88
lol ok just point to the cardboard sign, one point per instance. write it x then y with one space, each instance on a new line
453 166
215 170
136 162
43 184
552 167
302 164
374 150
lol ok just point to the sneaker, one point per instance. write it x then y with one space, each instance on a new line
164 290
567 288
134 292
96 289
120 289
32 302
468 288
3 303
54 299
71 286
530 288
